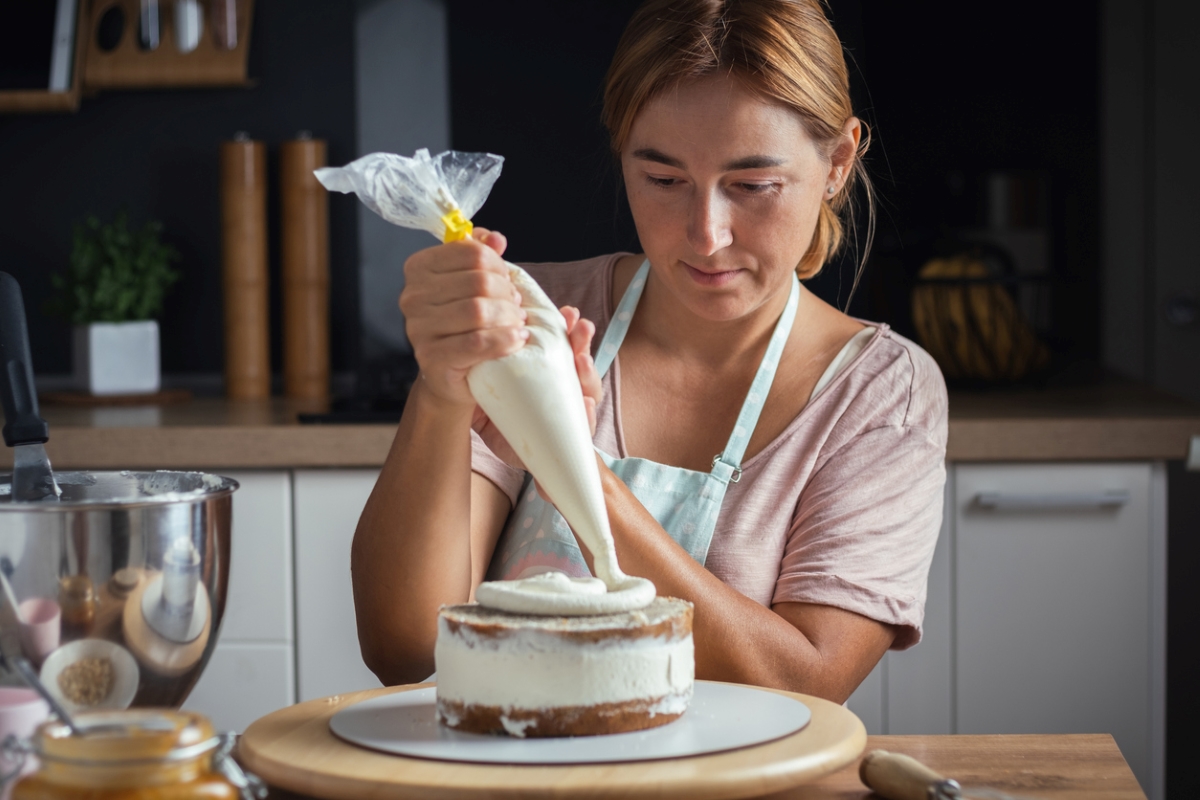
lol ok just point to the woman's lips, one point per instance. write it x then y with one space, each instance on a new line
711 278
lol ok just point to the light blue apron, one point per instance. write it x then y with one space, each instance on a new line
686 503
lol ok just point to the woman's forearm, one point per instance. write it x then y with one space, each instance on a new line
737 639
412 548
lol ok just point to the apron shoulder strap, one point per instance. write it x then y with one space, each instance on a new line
618 326
729 461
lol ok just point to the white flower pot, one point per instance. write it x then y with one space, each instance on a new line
113 358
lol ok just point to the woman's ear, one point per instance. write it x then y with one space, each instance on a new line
845 150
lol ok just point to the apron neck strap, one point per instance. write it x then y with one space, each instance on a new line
730 459
756 398
618 326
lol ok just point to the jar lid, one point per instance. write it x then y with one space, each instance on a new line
124 581
143 734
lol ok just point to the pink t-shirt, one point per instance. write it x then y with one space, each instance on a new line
842 509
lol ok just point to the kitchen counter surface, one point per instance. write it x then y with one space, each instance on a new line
1049 767
1107 422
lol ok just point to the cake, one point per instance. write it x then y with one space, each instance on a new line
533 675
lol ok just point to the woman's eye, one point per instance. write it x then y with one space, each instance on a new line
661 182
756 188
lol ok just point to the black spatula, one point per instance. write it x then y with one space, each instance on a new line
24 429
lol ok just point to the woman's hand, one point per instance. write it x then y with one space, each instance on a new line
579 332
460 309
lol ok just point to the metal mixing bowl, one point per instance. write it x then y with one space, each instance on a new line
116 591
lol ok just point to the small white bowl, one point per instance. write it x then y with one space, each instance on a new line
125 669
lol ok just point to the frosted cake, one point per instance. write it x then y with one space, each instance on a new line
501 672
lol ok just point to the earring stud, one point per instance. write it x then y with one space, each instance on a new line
830 190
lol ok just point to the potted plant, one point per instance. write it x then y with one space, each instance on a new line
113 293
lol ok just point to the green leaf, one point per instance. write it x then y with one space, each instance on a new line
115 273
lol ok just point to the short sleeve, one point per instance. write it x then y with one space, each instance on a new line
489 465
867 522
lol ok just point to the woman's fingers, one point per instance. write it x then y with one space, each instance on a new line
451 287
493 239
462 351
460 309
580 332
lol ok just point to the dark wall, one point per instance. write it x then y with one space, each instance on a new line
958 90
155 154
526 82
951 91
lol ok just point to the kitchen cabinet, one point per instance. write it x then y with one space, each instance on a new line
328 504
1060 579
252 670
1046 612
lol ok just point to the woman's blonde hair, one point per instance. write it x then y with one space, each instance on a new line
785 50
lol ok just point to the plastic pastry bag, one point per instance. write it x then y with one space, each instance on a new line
438 194
533 395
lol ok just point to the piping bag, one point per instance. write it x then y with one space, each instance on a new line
532 396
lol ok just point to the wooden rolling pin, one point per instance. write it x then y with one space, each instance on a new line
304 228
899 777
244 268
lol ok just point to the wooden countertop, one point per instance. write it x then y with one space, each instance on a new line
1041 767
1107 422
1048 767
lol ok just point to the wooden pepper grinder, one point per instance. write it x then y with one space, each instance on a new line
244 251
304 223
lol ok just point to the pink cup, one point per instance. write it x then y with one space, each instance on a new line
41 627
21 711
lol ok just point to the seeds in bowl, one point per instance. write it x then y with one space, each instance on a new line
88 681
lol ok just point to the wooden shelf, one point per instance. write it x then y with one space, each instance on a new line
127 66
34 101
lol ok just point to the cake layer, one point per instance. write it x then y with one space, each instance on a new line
513 662
593 720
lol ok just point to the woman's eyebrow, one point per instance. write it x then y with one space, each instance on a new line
657 156
754 162
749 162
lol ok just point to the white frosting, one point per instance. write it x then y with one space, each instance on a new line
533 670
553 593
534 399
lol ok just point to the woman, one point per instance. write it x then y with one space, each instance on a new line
805 542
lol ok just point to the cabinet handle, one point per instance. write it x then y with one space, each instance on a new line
1011 501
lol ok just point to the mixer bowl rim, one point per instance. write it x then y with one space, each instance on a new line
226 487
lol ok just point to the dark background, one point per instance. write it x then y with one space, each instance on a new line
951 91
155 153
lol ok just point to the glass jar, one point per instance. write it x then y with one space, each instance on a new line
77 598
147 754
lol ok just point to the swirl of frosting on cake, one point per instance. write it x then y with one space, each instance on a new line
556 594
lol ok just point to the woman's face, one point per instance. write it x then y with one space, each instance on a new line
725 189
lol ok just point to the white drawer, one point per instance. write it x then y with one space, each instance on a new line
328 504
258 606
1056 584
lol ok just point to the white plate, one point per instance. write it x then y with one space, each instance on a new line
721 717
125 669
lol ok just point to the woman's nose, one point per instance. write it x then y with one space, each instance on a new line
709 224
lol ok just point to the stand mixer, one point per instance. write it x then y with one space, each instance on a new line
111 583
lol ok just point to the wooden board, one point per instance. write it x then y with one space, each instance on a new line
163 397
294 750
